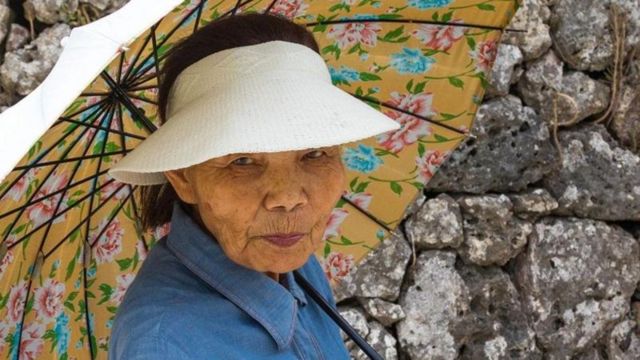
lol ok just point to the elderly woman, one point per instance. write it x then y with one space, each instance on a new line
247 168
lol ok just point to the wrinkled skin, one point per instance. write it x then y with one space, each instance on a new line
240 197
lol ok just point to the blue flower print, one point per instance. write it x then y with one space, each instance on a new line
362 159
428 4
411 61
62 332
343 75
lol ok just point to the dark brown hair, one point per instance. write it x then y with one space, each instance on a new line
223 33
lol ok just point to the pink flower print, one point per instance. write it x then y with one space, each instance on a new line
439 37
412 128
361 200
162 230
429 163
142 250
48 300
484 55
119 190
43 210
337 265
5 262
123 280
349 34
31 342
110 242
20 187
289 8
17 297
333 224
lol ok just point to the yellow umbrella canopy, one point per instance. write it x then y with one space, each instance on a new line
70 240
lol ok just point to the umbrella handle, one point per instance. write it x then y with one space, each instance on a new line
335 315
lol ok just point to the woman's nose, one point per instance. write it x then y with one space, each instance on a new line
285 192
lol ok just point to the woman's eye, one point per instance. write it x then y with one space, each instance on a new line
237 162
318 154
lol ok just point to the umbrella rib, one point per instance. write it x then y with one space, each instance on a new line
49 224
83 221
39 157
92 350
141 69
8 230
367 214
68 160
123 97
52 194
136 58
135 214
424 118
405 21
97 127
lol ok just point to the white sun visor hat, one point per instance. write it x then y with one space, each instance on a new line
269 97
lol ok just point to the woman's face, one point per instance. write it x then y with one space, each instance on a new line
242 197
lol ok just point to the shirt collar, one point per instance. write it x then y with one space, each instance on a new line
265 300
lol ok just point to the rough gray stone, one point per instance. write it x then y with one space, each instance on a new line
623 342
582 32
540 80
597 179
492 234
575 278
5 21
18 37
535 40
498 329
379 274
437 224
590 96
503 74
434 300
511 149
24 69
356 318
53 11
533 203
380 340
578 96
386 312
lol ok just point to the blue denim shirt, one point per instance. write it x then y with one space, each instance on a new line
190 301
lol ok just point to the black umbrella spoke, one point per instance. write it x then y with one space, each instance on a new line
100 103
124 78
137 217
49 223
44 181
382 19
112 216
424 118
38 158
69 186
82 221
142 69
120 62
70 159
136 113
143 99
97 127
367 214
92 349
34 230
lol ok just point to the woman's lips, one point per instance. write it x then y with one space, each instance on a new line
284 241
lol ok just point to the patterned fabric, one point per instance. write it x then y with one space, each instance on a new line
190 301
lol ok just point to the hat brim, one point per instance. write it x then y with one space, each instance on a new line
250 117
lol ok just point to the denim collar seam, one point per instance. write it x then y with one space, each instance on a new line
282 342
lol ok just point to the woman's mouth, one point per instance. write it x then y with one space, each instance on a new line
284 240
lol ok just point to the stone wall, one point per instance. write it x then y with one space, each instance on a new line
524 244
